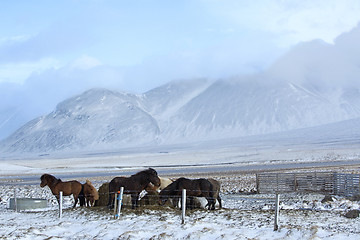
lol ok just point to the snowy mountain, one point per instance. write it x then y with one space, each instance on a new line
241 107
178 112
95 119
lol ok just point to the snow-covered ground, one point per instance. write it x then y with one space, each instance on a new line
302 216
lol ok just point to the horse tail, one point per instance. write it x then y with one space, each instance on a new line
111 193
211 190
82 196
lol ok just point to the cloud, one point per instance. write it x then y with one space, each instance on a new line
85 62
17 72
57 40
322 65
292 21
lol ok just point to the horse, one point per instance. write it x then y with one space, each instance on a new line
216 193
194 188
133 185
90 194
70 187
164 182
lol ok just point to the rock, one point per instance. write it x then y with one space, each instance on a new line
327 198
355 198
352 214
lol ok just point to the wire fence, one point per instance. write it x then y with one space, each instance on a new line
342 184
267 184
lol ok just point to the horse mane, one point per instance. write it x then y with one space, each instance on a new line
49 176
148 171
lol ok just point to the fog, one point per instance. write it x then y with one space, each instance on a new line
46 57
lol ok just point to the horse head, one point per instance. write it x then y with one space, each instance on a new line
44 180
47 179
167 192
153 177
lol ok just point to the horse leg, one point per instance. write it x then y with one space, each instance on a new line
76 199
175 201
192 203
213 202
81 196
219 200
210 203
134 201
111 201
58 199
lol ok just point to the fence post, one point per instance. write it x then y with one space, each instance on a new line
277 211
115 204
120 197
15 200
183 206
60 203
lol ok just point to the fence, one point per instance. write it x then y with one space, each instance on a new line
346 184
324 182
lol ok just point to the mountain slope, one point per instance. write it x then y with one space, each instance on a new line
96 118
237 108
182 111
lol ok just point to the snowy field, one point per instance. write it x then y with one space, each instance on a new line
302 216
219 155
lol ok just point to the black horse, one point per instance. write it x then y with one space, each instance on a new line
194 188
133 185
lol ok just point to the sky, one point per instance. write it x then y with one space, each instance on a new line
138 45
52 50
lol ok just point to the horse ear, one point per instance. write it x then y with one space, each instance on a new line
153 170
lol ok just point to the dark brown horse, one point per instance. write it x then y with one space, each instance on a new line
70 187
133 185
216 194
194 188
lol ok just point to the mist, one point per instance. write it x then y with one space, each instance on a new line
47 57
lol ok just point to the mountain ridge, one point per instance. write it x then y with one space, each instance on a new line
179 112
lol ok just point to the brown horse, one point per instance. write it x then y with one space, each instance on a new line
90 193
133 185
70 187
194 188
